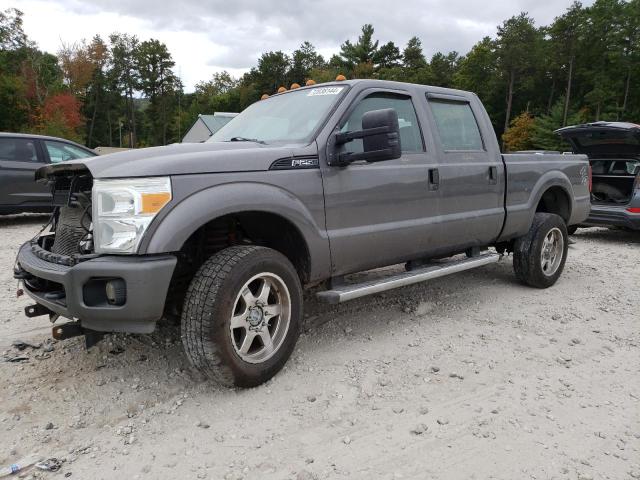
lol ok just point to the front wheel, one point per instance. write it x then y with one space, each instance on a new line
540 255
242 314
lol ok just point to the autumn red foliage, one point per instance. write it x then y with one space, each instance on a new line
63 106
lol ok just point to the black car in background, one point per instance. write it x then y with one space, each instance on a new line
613 149
20 156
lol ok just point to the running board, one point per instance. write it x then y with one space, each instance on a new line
344 293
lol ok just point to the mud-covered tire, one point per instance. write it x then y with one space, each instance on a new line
529 251
210 307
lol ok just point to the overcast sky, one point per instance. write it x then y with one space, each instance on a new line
205 36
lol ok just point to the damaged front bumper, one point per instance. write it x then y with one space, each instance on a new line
78 291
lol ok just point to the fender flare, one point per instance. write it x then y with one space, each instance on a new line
554 178
520 215
171 231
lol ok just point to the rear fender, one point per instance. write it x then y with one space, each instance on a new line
520 214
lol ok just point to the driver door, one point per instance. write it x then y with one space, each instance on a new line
381 213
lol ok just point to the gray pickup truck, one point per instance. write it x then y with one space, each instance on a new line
301 189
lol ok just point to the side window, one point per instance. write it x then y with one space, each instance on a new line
61 152
456 125
18 150
410 136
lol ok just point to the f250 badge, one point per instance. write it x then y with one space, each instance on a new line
295 163
304 162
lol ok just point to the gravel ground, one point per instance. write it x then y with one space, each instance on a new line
467 377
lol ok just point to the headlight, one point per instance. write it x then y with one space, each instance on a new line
123 209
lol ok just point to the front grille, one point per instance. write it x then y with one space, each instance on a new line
72 227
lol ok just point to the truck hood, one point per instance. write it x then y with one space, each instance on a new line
604 139
181 158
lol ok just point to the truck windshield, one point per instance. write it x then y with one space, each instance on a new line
290 117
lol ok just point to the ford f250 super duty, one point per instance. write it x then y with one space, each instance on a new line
301 189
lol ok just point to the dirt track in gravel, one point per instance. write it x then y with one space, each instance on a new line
467 377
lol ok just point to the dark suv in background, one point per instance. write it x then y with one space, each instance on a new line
20 156
613 149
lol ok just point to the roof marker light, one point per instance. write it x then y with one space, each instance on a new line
340 78
282 89
310 82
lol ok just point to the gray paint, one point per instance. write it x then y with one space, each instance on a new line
365 215
294 194
615 215
147 281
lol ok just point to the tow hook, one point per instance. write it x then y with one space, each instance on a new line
74 329
36 310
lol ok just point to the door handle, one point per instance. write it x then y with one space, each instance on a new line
434 179
493 175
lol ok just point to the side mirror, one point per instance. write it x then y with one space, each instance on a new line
380 136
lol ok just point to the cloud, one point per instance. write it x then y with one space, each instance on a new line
205 36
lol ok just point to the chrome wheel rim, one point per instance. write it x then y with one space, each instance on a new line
552 251
260 318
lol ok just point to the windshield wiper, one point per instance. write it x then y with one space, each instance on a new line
243 139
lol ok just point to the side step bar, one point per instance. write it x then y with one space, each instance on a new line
344 293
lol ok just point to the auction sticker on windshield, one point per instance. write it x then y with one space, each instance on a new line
325 91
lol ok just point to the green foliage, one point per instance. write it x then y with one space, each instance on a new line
412 55
542 136
303 61
361 52
12 36
584 66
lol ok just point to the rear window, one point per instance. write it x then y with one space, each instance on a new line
456 125
18 150
606 137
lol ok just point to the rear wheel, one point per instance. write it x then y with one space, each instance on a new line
242 314
540 255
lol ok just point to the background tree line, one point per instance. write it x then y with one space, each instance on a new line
585 66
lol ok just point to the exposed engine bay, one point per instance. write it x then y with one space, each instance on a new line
68 237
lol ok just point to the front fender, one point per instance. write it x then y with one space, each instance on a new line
169 232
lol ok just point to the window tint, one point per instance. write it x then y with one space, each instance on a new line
456 125
410 137
18 150
61 152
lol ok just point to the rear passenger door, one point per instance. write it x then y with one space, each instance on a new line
19 160
471 178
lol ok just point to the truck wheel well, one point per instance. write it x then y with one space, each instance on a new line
555 200
256 228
